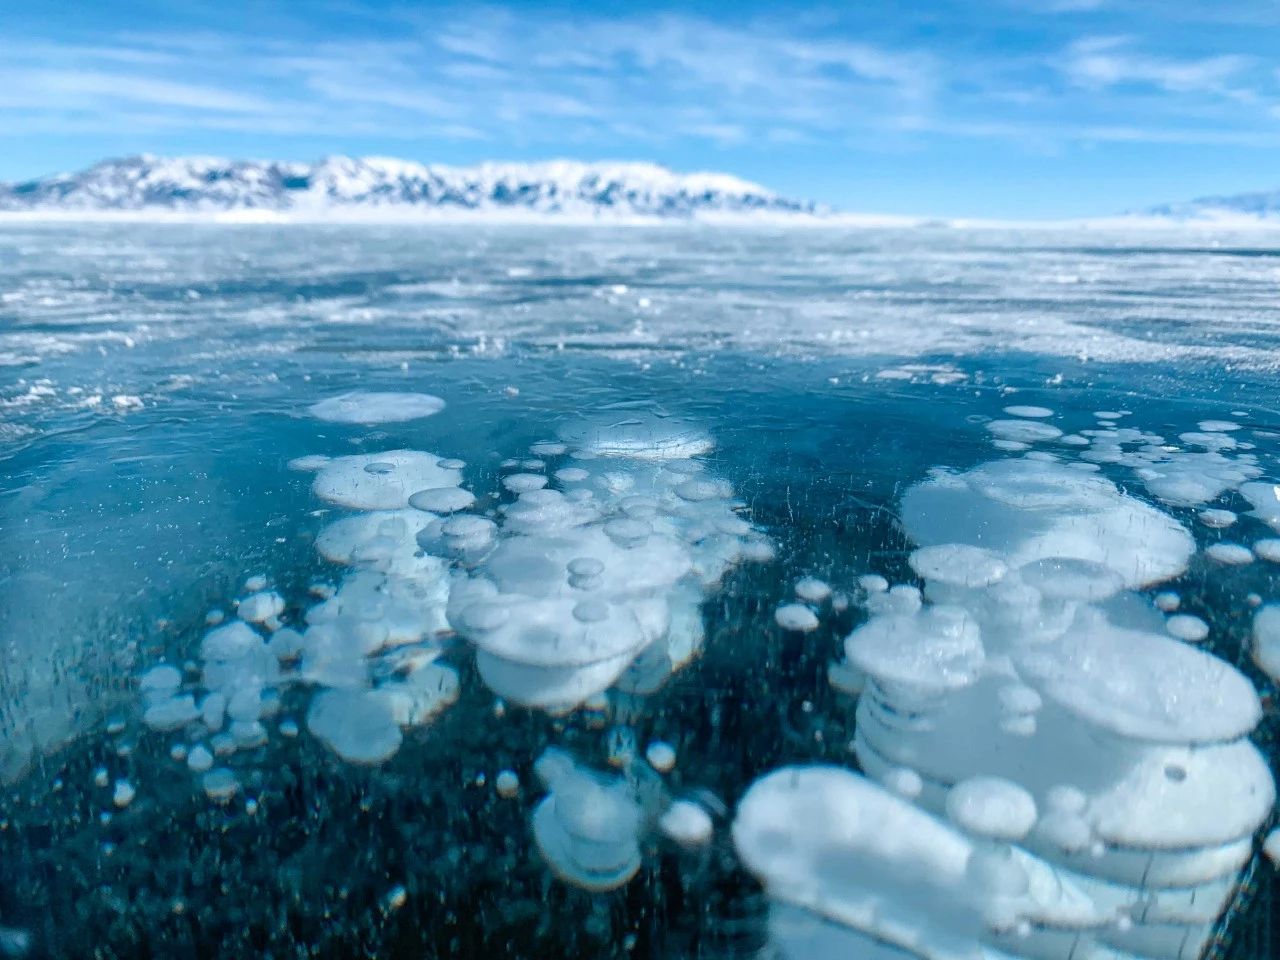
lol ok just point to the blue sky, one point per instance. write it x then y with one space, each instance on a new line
1006 108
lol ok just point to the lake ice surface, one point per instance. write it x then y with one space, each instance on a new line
649 592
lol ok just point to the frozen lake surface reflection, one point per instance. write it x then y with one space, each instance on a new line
477 592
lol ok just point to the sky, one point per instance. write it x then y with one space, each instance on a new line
959 108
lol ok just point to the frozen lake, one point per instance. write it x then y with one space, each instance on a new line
518 592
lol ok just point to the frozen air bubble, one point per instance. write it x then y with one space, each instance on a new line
587 827
1067 578
1217 519
255 583
308 464
958 564
1023 431
1028 411
661 756
450 463
1167 601
548 449
873 583
123 794
812 590
160 682
1011 446
357 725
797 617
1140 685
214 617
1268 549
687 823
220 785
200 759
399 474
992 807
1229 554
442 499
697 491
259 607
1271 847
1186 627
1218 426
571 475
585 567
524 482
628 532
369 407
230 642
507 784
591 611
904 781
1266 641
171 714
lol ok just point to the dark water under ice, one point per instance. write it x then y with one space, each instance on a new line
154 389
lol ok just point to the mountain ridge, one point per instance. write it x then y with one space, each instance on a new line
1263 205
339 184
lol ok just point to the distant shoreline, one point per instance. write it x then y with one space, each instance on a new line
517 218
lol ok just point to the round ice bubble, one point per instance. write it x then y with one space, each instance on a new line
1023 431
958 564
687 823
812 590
1229 554
220 785
548 449
199 759
160 682
524 482
587 827
442 499
507 784
1028 411
700 490
229 642
992 807
1068 578
1268 549
1140 685
1028 510
368 407
661 756
172 713
357 725
797 617
1186 627
1266 640
1217 519
395 477
934 649
259 607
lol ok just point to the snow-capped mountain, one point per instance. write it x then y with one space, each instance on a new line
382 185
1262 205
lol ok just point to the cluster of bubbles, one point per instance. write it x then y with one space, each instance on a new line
1049 770
1049 766
587 573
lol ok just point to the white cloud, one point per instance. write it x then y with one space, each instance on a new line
1102 62
610 83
